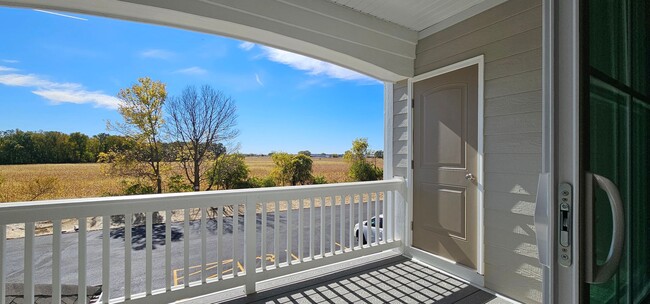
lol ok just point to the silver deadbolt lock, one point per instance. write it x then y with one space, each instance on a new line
565 194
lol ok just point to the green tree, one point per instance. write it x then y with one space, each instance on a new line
292 169
228 171
305 152
199 120
141 108
360 168
301 166
379 154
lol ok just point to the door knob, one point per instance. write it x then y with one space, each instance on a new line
470 177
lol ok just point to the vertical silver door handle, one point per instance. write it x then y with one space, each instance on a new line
596 274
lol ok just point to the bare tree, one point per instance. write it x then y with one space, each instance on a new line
199 121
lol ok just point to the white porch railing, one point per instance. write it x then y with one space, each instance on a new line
226 239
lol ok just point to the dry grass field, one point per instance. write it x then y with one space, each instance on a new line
60 181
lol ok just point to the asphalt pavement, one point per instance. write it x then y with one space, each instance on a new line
69 247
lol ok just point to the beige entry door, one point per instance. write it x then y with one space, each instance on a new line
445 145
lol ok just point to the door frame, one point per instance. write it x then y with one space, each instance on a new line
561 146
471 275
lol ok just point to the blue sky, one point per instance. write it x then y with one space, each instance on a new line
62 73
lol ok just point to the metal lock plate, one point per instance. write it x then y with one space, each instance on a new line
565 195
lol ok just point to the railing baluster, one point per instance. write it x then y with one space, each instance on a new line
351 231
128 242
289 228
168 250
301 229
204 249
219 242
383 211
332 223
359 215
3 254
106 258
186 247
250 244
322 226
312 231
377 219
56 262
149 255
29 263
263 236
368 204
391 209
342 223
276 235
235 240
82 260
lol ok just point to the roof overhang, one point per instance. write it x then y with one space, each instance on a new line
355 39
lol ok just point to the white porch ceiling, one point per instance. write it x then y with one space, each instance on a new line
423 16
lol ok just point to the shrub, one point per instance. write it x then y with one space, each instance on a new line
177 184
229 171
136 188
319 180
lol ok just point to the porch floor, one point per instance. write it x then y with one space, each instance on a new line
393 280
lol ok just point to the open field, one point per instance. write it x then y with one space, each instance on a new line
87 180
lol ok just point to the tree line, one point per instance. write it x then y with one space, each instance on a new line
158 131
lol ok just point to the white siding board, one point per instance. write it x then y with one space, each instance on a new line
478 22
515 64
513 123
509 203
513 163
514 143
518 286
400 107
495 50
513 84
514 104
511 183
523 22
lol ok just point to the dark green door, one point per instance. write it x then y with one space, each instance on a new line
617 121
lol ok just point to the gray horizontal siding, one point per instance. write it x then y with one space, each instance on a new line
509 37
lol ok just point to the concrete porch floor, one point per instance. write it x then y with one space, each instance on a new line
393 280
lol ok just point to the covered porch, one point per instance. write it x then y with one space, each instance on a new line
249 244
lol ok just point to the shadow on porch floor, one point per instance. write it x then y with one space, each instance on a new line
395 280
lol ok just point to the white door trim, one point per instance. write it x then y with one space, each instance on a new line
436 261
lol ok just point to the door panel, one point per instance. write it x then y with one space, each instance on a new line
617 126
445 153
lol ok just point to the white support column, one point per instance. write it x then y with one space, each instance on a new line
388 130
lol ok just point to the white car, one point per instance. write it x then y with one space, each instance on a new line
374 231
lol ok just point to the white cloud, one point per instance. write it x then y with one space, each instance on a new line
60 92
10 61
246 46
61 15
157 54
312 66
7 69
97 98
193 71
257 78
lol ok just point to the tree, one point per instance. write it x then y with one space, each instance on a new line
360 169
379 154
282 171
199 122
305 152
301 166
229 171
292 169
141 108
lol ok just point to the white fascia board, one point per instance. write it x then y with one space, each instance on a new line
372 47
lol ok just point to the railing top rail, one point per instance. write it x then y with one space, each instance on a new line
58 209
